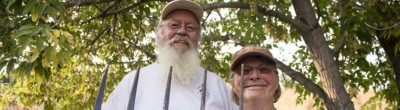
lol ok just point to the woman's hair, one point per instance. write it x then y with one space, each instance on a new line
235 98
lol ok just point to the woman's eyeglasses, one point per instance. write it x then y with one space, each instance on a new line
263 69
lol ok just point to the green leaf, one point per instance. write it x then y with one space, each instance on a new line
53 36
56 33
397 49
51 11
64 57
24 30
9 4
146 11
39 68
27 27
54 56
21 70
68 36
59 6
35 55
41 9
28 6
39 45
2 64
34 13
10 65
46 57
11 24
28 69
24 41
136 23
48 106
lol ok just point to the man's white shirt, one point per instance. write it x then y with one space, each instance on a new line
151 91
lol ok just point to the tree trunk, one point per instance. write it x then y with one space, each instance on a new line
322 57
388 44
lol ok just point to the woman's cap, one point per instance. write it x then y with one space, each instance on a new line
251 51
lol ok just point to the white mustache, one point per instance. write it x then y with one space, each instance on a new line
185 39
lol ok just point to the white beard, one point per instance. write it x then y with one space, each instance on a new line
184 65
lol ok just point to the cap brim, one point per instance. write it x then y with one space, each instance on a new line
247 54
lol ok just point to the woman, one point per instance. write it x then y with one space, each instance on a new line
260 78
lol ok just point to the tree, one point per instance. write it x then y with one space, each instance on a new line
53 52
389 37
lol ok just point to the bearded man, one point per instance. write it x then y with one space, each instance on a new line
178 36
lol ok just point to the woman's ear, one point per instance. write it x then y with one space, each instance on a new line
233 87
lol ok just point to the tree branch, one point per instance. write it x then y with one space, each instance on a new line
340 44
85 3
98 36
234 39
318 10
115 19
260 9
103 15
386 28
307 83
145 51
342 37
204 20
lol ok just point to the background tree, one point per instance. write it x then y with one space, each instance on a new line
53 52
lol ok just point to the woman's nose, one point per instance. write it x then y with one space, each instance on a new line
254 74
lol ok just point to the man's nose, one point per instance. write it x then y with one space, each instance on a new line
182 30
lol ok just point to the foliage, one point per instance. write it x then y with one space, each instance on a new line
53 53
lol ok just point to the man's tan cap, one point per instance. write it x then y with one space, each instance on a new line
183 4
251 51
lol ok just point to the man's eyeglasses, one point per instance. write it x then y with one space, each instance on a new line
263 69
175 26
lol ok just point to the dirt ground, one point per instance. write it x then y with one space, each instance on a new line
287 101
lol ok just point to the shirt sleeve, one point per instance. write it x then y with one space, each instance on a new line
119 98
230 105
